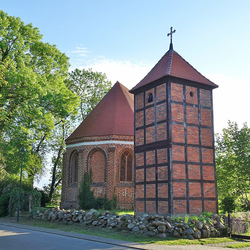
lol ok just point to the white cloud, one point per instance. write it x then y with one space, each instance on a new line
127 73
78 52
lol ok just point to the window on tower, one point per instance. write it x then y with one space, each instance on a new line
150 97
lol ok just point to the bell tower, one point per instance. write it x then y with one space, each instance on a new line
174 139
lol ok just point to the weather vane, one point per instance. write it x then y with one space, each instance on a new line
171 34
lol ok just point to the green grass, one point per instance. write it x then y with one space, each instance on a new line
126 236
239 245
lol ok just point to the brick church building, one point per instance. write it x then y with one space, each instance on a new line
169 168
104 143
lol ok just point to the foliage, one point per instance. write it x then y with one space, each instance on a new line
233 162
33 95
86 196
44 198
9 193
90 87
228 204
4 204
87 199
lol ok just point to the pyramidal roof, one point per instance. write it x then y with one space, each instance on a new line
172 64
113 115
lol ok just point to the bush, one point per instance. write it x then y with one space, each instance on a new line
44 198
4 204
87 199
9 193
228 204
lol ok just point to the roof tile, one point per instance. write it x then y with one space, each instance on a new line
113 115
172 64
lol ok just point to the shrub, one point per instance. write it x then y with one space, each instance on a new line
87 199
228 204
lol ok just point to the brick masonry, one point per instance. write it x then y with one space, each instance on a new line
174 149
105 162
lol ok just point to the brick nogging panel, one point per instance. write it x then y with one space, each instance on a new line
104 161
174 150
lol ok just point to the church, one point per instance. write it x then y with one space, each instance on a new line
104 143
152 146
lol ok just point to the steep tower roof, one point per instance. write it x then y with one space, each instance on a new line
172 64
114 115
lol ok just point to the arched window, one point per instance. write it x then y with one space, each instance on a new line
73 168
126 167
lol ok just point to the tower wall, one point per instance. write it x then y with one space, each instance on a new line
174 149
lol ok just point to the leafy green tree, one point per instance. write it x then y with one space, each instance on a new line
233 162
33 94
90 86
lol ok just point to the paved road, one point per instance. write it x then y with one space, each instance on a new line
12 238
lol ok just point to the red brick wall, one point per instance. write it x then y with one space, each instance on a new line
189 146
104 160
97 164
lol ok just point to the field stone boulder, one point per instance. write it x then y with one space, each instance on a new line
188 231
190 236
168 225
94 223
162 235
204 233
135 229
220 226
199 225
161 228
197 234
176 234
51 216
130 226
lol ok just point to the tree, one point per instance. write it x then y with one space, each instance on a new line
33 95
233 162
90 87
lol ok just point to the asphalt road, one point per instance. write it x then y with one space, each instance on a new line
12 238
15 236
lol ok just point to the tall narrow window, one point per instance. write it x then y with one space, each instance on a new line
126 167
73 168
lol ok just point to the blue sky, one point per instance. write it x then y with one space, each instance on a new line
126 38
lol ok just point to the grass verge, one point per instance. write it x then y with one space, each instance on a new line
123 235
239 245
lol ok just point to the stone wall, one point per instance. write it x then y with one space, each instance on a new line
147 225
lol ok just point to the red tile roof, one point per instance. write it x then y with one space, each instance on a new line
172 64
114 115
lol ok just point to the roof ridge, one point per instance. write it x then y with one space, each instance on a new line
170 61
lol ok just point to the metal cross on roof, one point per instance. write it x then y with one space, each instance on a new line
171 33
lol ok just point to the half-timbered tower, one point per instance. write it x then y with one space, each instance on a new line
103 143
174 139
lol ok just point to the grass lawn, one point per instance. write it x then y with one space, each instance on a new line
121 235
